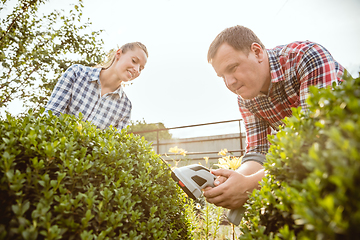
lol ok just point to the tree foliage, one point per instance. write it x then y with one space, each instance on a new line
141 126
36 48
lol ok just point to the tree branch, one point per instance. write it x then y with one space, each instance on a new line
14 21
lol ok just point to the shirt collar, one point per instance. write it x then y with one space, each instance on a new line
95 76
119 91
276 72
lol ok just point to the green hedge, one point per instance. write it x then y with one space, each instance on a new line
311 190
62 178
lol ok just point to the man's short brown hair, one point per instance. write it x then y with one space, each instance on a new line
239 37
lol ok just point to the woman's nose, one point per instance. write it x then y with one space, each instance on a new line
137 69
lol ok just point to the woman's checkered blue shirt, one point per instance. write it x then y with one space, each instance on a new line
79 90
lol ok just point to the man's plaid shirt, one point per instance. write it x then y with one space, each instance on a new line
294 67
79 90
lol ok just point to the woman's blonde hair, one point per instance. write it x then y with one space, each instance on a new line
112 53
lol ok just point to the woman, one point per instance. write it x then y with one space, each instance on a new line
97 92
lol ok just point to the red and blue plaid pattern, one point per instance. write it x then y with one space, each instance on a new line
79 90
294 67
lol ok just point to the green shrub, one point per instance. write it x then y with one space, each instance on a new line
311 189
62 178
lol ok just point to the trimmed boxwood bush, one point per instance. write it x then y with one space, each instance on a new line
311 189
62 178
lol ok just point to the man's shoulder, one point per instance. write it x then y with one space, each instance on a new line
293 47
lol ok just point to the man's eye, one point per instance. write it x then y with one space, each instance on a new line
232 69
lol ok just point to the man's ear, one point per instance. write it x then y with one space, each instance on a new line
258 51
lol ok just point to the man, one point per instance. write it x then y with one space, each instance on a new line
268 82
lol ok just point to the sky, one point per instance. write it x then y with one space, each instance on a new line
178 87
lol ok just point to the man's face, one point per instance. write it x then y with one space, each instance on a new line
243 74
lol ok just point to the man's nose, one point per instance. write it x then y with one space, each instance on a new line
229 80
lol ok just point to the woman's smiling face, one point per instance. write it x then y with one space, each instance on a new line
129 65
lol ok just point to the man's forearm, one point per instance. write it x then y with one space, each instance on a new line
249 168
254 171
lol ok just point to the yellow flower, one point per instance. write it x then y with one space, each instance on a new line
223 163
235 163
229 163
223 152
182 152
177 150
174 150
206 160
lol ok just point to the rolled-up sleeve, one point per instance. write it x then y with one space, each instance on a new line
257 130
